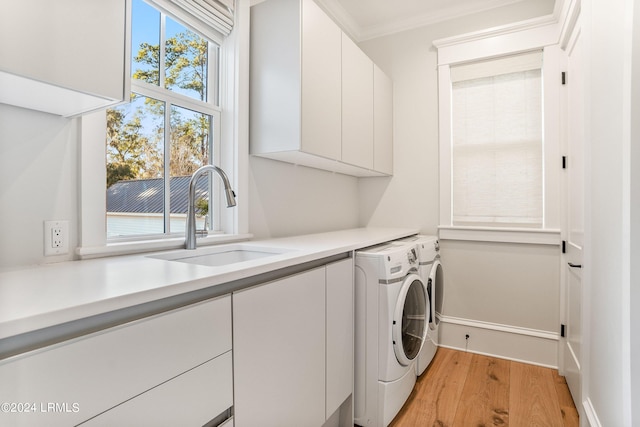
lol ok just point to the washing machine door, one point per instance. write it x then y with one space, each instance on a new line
436 280
410 320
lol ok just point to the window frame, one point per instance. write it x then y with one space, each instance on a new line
232 153
503 41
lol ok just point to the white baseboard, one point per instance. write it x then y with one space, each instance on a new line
503 341
590 413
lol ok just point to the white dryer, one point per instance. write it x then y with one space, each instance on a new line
430 270
391 322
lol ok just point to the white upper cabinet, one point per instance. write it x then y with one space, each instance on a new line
321 67
311 90
63 57
383 121
357 105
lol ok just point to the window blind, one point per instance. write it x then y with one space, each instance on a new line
212 18
497 169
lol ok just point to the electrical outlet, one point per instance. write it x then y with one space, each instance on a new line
56 237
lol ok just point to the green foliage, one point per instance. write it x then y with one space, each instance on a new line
118 172
185 63
130 154
202 206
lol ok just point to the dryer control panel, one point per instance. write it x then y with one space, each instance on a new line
400 261
393 261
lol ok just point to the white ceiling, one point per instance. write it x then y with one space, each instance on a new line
367 19
374 18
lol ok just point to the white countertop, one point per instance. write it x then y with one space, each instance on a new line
52 294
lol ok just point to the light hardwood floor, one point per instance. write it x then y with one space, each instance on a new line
462 389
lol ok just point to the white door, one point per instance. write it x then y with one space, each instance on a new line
573 229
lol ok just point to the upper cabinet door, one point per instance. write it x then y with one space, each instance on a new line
311 91
383 122
321 75
69 50
357 105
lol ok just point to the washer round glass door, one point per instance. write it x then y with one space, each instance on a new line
436 280
410 320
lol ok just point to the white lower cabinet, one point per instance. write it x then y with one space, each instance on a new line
191 399
293 349
339 311
156 364
291 364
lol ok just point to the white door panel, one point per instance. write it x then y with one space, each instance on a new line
573 223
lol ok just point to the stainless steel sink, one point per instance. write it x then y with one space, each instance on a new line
216 256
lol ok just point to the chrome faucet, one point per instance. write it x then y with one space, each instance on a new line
190 238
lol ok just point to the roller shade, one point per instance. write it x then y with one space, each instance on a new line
495 67
212 18
497 129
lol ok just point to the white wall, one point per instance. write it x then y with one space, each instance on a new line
503 284
39 173
634 160
611 120
287 199
521 289
409 58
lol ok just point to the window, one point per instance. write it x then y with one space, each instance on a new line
224 26
497 142
168 130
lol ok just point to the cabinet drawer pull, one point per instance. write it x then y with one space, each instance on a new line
572 265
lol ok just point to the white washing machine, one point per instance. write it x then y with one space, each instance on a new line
391 322
430 270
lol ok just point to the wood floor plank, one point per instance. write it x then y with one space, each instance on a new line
533 398
485 397
469 390
570 415
435 398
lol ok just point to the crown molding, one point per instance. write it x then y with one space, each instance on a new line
375 31
344 20
361 33
497 31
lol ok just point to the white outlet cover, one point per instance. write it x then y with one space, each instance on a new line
61 246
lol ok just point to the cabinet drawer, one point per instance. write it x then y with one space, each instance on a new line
191 399
91 374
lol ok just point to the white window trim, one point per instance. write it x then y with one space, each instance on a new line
234 157
540 33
